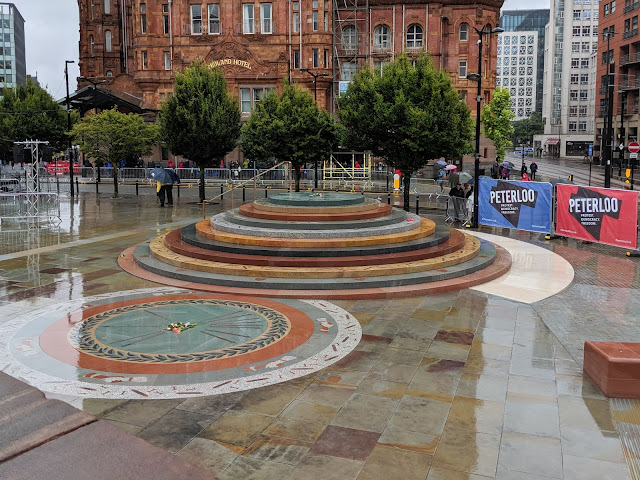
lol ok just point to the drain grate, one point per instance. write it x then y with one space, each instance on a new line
626 415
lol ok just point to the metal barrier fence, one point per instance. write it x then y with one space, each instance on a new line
36 206
458 210
58 182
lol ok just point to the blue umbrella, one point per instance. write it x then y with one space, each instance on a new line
441 163
164 175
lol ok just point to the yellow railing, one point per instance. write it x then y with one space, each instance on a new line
253 179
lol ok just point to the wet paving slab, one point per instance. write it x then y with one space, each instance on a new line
463 385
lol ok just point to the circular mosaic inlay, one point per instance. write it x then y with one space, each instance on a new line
117 345
150 332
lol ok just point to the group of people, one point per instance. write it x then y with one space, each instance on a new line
504 173
458 194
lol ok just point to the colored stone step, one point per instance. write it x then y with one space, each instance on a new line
439 236
175 243
304 215
500 265
229 224
144 259
395 217
316 199
264 204
160 251
426 228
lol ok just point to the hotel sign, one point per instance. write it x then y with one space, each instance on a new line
230 61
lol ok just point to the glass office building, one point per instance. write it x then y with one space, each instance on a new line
527 21
13 67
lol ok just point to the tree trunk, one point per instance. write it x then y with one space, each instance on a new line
115 181
406 178
201 186
297 171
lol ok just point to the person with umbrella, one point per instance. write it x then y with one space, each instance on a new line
165 179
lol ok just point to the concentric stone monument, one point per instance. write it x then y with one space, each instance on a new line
318 245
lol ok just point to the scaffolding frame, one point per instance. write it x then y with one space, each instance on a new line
349 13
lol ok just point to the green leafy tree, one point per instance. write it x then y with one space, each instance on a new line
289 127
407 116
201 121
496 121
111 136
525 129
28 112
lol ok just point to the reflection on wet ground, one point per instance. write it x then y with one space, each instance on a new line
465 385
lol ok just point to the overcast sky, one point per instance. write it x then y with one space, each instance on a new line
52 37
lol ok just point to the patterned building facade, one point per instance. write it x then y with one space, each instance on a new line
518 70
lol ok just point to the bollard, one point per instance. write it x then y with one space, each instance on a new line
97 183
57 184
136 187
417 205
77 187
266 194
222 191
178 190
243 193
388 198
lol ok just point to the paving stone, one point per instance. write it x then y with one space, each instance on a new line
102 452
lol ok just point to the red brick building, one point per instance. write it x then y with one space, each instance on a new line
622 51
137 46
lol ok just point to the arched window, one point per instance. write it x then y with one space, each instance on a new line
107 6
109 73
92 8
91 43
349 38
382 37
414 36
464 32
107 41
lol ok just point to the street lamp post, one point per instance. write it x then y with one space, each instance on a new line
478 78
66 76
608 150
315 99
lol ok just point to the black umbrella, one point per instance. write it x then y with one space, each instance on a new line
164 175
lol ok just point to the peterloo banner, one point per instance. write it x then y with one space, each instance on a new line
602 215
511 204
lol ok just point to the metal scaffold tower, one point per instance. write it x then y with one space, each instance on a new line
32 175
30 205
351 49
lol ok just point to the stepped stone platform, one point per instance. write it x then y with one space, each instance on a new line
310 245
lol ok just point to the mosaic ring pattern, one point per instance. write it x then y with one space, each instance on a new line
82 336
328 334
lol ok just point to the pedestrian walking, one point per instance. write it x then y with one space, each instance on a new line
533 168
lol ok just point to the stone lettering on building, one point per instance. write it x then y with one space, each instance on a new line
230 61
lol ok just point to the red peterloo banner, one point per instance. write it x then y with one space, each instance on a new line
602 215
